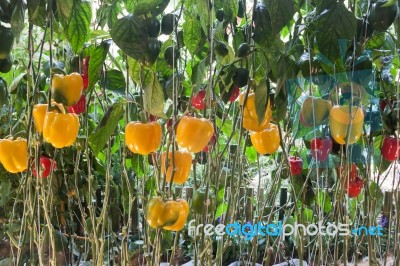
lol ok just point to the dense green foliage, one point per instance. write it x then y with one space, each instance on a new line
147 60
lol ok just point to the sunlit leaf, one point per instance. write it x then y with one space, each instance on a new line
106 128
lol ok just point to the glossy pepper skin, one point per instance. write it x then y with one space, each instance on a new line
250 117
38 113
314 111
344 123
296 165
182 206
157 215
143 138
390 148
182 164
14 155
170 215
79 107
46 166
198 100
354 187
266 141
320 148
200 202
67 89
235 94
194 133
60 129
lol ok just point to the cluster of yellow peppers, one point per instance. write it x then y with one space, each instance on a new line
58 128
265 135
170 215
345 121
192 134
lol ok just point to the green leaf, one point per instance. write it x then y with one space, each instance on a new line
202 9
284 69
298 185
129 34
37 12
352 208
134 69
221 209
199 72
251 154
153 98
261 100
15 83
281 13
281 103
134 72
76 26
99 34
108 14
150 184
323 201
114 80
389 3
334 24
221 194
64 8
144 7
162 66
376 195
17 18
308 215
106 128
97 57
5 190
230 9
376 41
261 62
192 34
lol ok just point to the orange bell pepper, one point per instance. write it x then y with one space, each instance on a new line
14 155
194 133
180 166
143 138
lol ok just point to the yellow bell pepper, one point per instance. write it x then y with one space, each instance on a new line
157 215
182 207
143 138
314 111
250 117
60 129
194 133
179 168
346 124
169 215
14 155
38 113
67 89
266 141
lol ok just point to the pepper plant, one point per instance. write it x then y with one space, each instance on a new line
123 123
